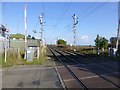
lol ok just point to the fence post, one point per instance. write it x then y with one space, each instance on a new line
18 53
38 53
5 48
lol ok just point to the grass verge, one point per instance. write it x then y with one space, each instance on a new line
13 58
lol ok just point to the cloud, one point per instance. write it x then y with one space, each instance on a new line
84 39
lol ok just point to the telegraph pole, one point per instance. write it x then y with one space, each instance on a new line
25 28
74 27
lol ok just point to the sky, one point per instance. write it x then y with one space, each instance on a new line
93 18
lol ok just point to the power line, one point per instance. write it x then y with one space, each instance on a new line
63 14
67 33
83 11
64 30
93 10
63 11
86 10
43 7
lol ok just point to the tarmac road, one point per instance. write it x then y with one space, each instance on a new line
30 76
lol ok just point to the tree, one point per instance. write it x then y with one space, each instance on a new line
61 42
101 43
97 41
17 36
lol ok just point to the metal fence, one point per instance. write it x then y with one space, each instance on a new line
15 44
21 43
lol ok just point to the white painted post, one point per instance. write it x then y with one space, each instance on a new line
5 48
18 53
38 53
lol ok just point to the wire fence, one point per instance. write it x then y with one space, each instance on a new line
17 47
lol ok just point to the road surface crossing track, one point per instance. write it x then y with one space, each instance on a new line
84 56
83 87
102 76
79 55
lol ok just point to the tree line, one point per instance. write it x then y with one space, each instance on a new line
102 43
21 36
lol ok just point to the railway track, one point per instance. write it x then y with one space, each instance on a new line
100 63
53 50
100 68
82 86
76 54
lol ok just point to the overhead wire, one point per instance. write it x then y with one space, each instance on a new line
90 12
65 9
60 15
83 11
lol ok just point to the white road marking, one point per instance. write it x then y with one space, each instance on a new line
91 76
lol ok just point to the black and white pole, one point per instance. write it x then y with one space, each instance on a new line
41 28
74 28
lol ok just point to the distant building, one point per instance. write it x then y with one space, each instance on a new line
2 30
2 38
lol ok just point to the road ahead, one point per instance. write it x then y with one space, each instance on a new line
30 76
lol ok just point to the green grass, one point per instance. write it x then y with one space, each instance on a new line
93 53
1 60
14 59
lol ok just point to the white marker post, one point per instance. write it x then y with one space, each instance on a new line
5 47
25 22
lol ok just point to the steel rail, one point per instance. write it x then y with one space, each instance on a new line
89 70
71 72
